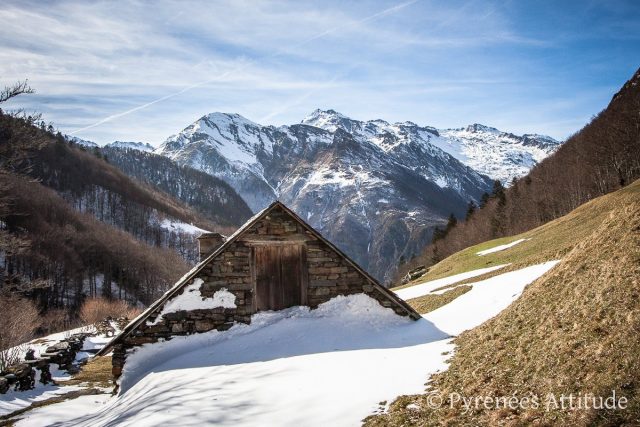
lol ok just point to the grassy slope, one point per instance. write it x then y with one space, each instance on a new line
572 331
547 242
431 302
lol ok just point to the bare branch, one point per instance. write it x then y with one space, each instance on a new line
14 90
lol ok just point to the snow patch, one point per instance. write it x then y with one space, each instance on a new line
441 182
486 299
426 287
178 226
500 248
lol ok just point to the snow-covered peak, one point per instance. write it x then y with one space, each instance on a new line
235 138
331 120
500 155
132 145
81 141
321 115
478 128
226 119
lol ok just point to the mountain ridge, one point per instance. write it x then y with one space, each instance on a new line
376 189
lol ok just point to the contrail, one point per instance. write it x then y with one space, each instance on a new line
300 98
382 13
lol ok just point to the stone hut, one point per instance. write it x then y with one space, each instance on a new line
274 261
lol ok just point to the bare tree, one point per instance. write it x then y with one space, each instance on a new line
17 324
14 90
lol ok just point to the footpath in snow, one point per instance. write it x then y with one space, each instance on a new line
329 366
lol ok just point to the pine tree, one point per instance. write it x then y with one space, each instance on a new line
498 192
438 234
452 222
471 208
484 199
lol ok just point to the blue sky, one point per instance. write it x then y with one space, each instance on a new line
134 70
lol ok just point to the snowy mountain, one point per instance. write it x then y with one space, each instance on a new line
375 189
140 146
80 141
499 155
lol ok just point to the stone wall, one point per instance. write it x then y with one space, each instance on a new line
329 275
22 376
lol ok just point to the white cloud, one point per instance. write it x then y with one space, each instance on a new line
138 70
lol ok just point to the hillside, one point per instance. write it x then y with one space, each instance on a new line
211 197
75 226
58 256
600 158
568 332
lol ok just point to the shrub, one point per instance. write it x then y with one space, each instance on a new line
96 309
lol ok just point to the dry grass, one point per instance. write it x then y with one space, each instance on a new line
572 331
547 242
95 373
430 302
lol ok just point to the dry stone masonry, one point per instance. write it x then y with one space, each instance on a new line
22 376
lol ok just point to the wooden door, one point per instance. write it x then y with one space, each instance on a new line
280 273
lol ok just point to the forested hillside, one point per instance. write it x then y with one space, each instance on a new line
73 226
210 196
602 157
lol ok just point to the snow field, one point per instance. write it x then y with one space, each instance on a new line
329 366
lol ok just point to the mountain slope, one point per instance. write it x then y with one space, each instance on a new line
567 334
211 197
72 226
375 189
500 155
600 158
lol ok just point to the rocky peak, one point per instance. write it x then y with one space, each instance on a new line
331 120
134 145
477 127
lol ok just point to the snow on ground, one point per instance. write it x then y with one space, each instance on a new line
183 227
14 400
486 299
500 248
39 345
329 366
424 288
